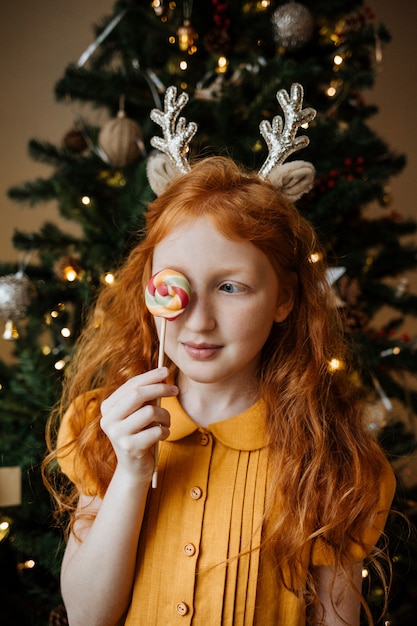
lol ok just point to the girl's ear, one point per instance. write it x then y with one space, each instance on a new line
286 299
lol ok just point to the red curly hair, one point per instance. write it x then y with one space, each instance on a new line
325 466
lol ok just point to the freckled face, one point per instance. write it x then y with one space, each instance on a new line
236 298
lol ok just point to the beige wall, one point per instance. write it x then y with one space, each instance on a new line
39 39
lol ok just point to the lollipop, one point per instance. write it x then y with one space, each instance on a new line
166 296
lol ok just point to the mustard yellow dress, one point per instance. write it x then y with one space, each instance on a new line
207 508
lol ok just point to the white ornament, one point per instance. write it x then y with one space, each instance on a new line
15 296
293 25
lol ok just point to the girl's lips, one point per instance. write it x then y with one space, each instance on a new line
201 351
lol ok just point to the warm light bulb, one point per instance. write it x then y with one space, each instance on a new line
29 564
365 572
4 530
222 65
69 273
315 257
109 278
335 364
183 65
86 200
331 92
338 60
65 332
59 365
390 351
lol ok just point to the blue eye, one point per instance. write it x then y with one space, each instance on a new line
230 288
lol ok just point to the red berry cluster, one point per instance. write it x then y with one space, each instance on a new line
218 39
355 21
392 334
353 168
221 16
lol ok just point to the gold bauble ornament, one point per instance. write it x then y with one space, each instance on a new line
121 141
186 36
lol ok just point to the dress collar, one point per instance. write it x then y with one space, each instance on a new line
245 431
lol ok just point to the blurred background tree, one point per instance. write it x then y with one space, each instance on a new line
231 57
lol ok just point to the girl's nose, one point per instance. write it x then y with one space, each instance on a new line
199 314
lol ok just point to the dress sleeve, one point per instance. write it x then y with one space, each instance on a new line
79 418
322 554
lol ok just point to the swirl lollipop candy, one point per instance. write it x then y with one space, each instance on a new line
167 294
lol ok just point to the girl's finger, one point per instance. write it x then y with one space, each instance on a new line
130 398
147 378
143 441
142 419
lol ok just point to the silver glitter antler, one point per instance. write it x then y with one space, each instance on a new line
177 134
293 179
281 140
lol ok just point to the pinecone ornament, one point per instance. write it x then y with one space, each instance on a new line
58 616
218 41
75 141
355 319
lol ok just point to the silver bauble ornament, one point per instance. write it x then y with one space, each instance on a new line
15 297
293 25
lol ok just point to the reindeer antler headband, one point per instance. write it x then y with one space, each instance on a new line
293 179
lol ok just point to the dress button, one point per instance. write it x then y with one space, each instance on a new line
182 608
189 549
196 493
204 439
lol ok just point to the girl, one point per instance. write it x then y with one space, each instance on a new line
270 492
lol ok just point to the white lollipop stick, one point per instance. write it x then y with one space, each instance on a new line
166 295
158 402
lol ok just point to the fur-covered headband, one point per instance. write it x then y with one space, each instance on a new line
293 179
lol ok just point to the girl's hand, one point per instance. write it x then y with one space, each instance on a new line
133 422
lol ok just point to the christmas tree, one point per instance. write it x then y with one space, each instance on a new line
232 58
